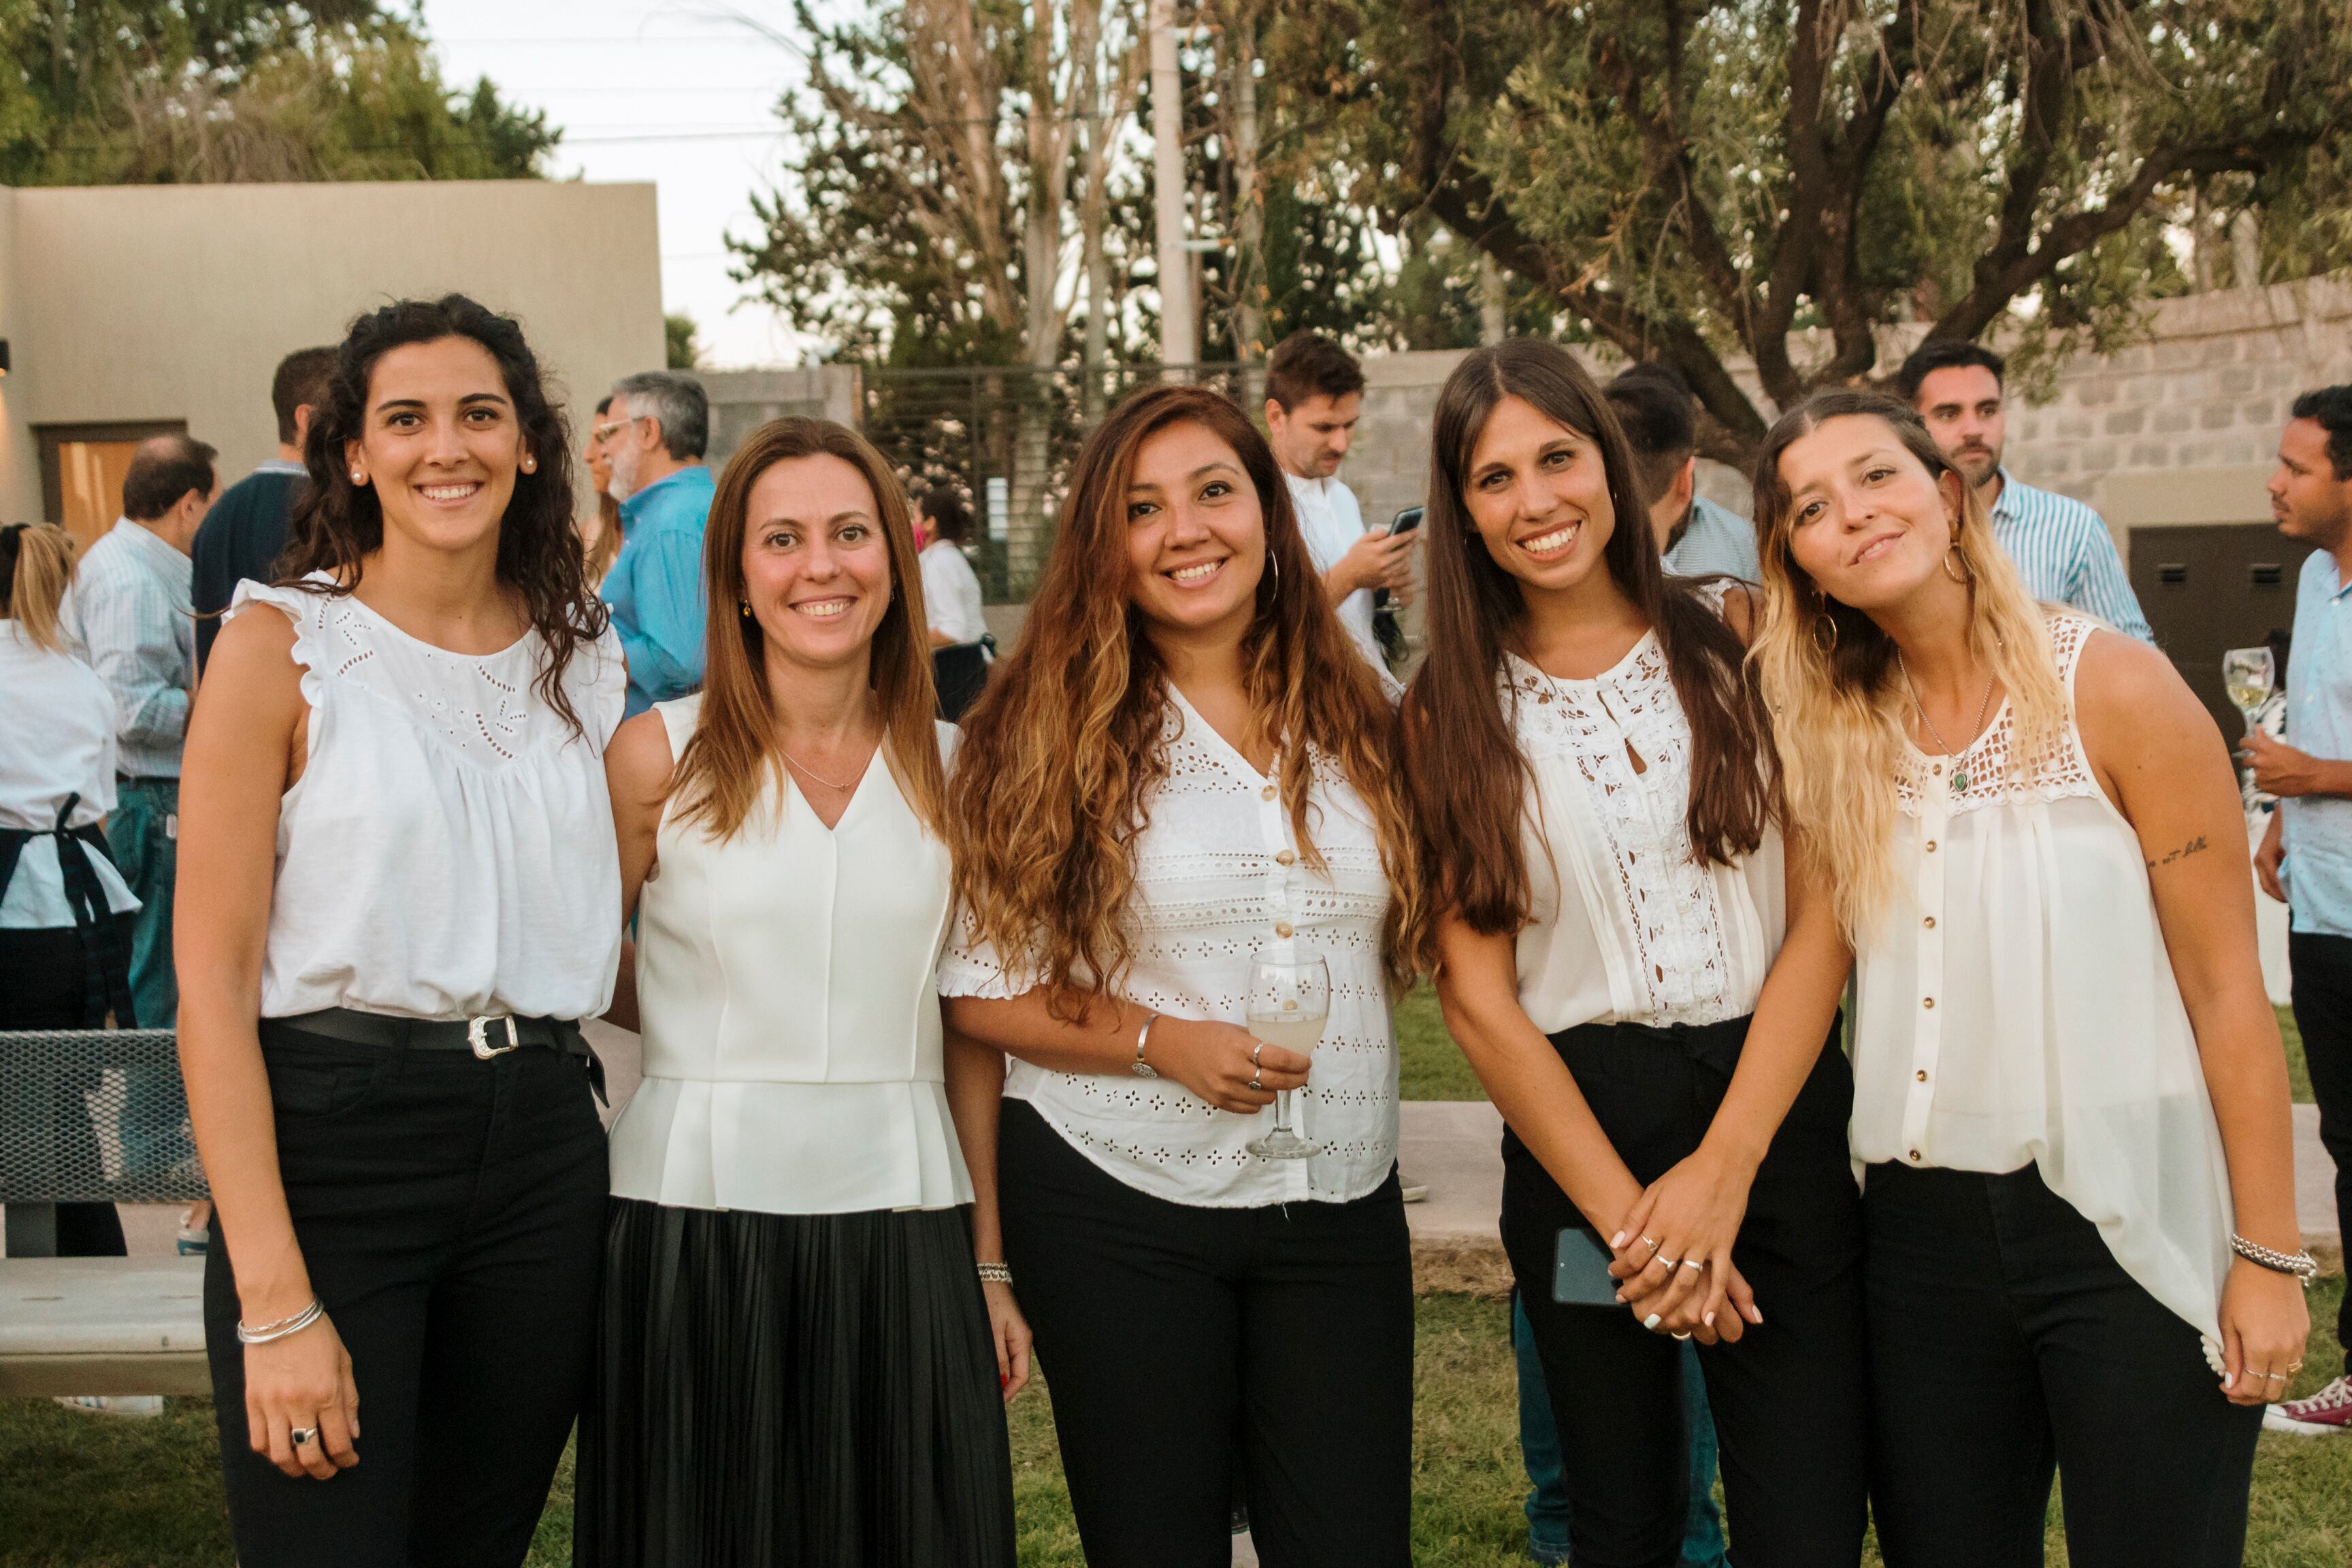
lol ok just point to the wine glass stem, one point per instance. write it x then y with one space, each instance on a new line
1282 1110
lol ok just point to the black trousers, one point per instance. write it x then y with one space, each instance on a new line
1186 1345
2322 1012
2007 1342
451 1212
43 984
1790 1399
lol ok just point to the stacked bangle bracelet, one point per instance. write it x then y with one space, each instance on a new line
995 1273
264 1333
2301 1265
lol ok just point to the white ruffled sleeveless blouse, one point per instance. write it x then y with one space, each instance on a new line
2016 1005
448 850
787 993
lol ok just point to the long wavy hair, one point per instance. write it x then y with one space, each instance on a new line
1470 780
337 524
37 563
1830 673
1065 747
733 754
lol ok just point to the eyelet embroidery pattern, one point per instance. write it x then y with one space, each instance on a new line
1667 895
1995 773
480 709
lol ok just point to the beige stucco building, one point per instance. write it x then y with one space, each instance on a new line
134 309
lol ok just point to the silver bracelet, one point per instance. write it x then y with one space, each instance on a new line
2301 1265
283 1326
1143 1068
995 1273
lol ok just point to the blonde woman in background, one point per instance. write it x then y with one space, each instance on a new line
2070 1096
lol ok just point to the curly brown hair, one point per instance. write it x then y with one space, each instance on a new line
337 525
1063 751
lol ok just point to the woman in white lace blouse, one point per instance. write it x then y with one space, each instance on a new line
1642 976
1181 764
2069 1098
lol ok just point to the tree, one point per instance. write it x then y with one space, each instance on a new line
1704 181
141 91
680 339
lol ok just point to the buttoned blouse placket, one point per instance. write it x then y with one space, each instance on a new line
1927 1031
1281 914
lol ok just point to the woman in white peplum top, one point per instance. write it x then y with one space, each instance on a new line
796 1361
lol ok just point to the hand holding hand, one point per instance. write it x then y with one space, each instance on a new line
1225 1064
303 1383
1691 1214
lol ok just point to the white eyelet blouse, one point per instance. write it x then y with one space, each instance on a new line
1218 876
2015 1004
1644 933
448 849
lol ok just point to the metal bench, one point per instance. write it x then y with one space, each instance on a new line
95 1116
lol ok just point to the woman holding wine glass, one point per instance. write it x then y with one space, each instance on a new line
1174 815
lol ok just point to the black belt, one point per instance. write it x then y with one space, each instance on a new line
488 1036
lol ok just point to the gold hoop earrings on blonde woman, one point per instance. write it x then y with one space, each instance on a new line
1963 575
1825 619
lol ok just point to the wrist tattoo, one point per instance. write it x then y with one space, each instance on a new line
2192 847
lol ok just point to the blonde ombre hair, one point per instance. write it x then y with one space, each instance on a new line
37 562
1830 676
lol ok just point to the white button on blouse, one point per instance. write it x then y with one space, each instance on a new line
1627 926
1219 876
793 1061
2015 1004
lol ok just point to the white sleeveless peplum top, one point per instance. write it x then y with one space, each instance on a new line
2016 1005
448 849
787 990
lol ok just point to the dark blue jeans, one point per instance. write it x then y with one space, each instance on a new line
1547 1505
143 832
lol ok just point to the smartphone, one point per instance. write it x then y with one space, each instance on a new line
1580 1275
1406 521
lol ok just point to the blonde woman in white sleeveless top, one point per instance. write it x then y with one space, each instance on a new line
797 1365
2071 1103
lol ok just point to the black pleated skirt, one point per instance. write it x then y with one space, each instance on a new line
806 1391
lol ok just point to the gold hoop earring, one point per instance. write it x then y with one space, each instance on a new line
1825 619
1963 575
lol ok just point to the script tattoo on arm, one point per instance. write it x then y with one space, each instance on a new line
2192 847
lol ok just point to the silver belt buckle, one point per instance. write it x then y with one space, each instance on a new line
477 1038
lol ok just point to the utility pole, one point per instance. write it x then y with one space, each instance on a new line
1178 337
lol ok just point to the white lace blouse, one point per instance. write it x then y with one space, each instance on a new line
2016 1005
1218 877
448 849
1627 926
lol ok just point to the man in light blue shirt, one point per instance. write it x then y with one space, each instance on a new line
2306 856
2060 546
129 618
658 427
1695 537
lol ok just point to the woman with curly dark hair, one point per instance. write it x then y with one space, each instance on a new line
399 891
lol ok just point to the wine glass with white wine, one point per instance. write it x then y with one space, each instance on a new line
1290 1003
2248 676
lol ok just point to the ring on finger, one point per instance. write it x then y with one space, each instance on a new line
1693 1262
2272 1376
1653 1244
1669 1262
1681 1336
299 1435
1259 1046
1256 1084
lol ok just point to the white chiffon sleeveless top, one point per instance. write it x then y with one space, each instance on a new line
2016 1005
787 994
1625 925
448 849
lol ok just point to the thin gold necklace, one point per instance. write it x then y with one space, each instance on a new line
808 770
1959 769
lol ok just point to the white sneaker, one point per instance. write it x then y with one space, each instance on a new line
142 1406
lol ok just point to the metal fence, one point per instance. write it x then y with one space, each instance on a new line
94 1116
1007 435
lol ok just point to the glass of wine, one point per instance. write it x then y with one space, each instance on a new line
2248 675
1290 1003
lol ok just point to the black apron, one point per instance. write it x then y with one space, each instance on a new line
105 941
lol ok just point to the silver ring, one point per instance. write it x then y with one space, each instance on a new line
1254 1051
1655 1245
1681 1336
1669 1262
1693 1262
301 1435
2272 1376
1256 1085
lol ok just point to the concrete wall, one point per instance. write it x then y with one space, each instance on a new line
743 400
158 302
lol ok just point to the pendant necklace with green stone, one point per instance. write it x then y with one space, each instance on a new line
1959 769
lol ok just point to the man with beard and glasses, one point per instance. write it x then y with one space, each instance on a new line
659 426
2061 547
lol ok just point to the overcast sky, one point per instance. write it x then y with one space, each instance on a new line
666 91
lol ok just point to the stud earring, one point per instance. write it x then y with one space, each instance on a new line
743 608
531 465
358 478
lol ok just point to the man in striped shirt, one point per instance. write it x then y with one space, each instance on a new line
2061 547
128 616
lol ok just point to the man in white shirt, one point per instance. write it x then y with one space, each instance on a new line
1314 394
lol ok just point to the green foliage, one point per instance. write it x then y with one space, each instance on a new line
680 339
154 92
1780 180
